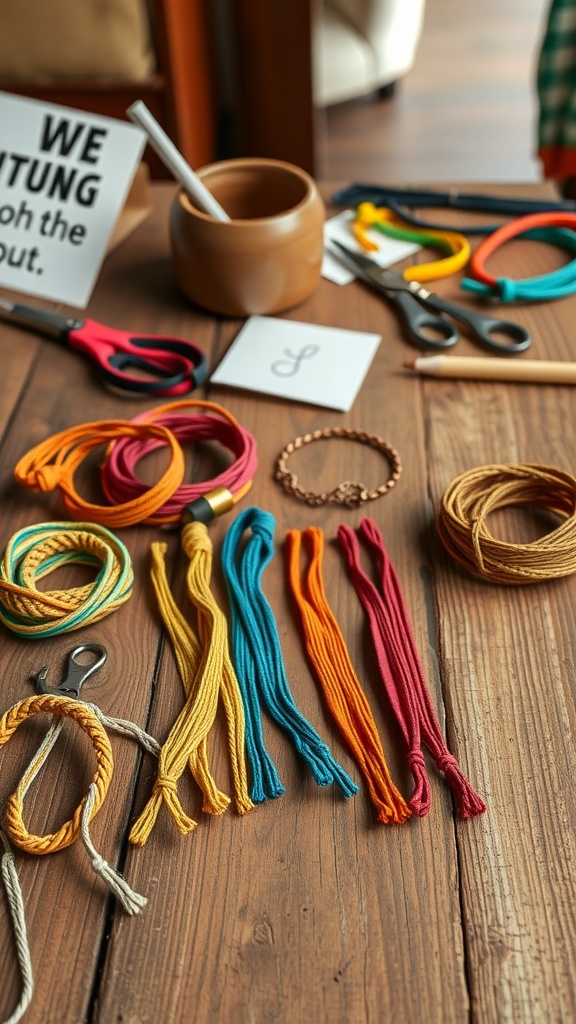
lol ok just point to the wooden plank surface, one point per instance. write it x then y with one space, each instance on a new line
306 909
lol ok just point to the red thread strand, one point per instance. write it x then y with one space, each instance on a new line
120 480
402 673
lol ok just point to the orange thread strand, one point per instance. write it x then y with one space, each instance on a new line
342 689
52 464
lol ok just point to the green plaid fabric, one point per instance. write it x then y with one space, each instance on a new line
556 85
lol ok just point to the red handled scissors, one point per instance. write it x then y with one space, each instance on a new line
168 366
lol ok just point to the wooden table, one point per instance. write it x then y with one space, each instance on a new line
305 909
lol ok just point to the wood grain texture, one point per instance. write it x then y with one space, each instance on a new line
305 909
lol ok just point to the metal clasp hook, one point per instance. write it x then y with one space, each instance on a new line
77 673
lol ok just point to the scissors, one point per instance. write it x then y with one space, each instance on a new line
425 314
169 366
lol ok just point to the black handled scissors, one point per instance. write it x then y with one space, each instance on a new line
168 366
425 314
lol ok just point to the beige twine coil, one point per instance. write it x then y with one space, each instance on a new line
474 495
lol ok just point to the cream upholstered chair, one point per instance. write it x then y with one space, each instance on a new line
363 46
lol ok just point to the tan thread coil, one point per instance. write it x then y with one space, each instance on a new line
348 493
472 496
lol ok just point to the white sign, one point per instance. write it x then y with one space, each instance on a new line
304 362
64 178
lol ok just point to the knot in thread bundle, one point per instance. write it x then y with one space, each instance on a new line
45 478
402 672
262 524
507 289
447 763
195 540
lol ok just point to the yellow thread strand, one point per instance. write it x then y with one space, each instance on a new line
474 495
86 719
369 215
213 675
213 631
188 655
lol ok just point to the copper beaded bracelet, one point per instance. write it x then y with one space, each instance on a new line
348 493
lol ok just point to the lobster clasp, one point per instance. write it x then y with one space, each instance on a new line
78 671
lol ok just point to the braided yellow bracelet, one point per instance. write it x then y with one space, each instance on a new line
86 719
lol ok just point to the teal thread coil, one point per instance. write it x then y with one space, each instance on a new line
36 551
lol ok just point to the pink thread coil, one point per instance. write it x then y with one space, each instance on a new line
120 479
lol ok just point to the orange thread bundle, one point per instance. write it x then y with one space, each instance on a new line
341 687
52 464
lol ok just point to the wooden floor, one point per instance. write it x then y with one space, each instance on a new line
465 112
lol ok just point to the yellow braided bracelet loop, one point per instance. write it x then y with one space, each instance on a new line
474 495
38 550
88 722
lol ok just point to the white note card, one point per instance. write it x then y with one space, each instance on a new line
302 362
339 229
64 177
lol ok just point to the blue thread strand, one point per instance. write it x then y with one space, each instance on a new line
266 782
256 646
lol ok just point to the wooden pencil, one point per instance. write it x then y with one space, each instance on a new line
537 371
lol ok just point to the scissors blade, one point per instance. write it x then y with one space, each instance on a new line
55 325
426 329
382 278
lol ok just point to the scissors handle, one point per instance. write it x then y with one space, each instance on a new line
424 328
171 366
503 336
